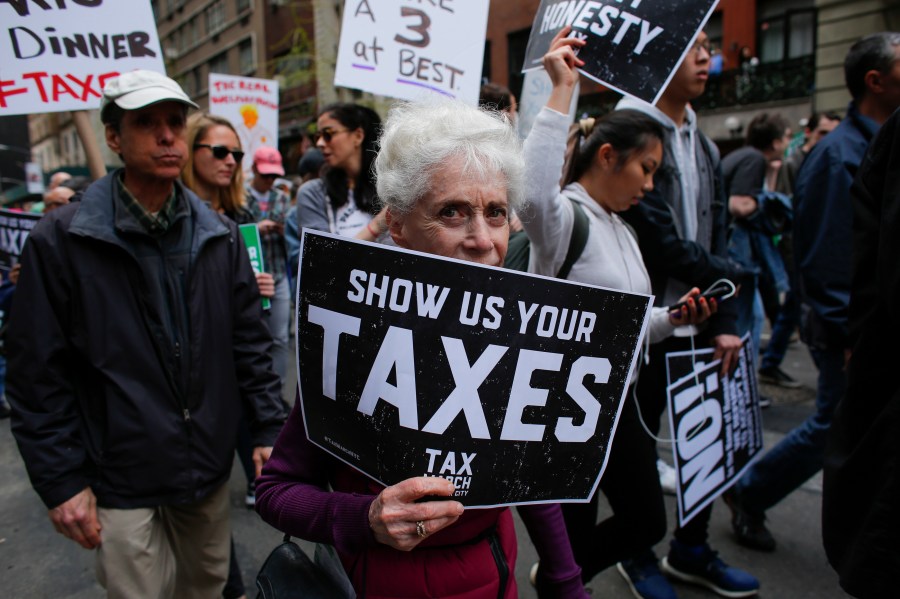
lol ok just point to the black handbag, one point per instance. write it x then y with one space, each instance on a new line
288 573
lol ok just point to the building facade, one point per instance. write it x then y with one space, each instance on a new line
778 55
781 55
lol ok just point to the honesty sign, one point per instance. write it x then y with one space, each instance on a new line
251 105
14 230
57 55
715 422
505 383
408 49
633 46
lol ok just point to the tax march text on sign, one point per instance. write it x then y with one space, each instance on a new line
507 384
14 230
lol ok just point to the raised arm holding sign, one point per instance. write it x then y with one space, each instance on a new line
631 46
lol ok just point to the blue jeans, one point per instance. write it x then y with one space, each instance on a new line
802 452
279 319
785 325
2 378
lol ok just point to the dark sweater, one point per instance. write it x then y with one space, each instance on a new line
291 495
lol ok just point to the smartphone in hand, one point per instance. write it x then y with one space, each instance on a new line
717 291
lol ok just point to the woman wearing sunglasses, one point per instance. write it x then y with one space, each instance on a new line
213 172
344 201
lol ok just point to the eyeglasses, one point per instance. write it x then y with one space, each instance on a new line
272 177
697 46
222 152
327 133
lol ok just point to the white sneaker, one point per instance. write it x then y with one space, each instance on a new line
532 574
668 478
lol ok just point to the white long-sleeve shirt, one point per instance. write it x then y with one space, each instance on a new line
611 257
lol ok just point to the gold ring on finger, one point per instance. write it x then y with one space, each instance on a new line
420 529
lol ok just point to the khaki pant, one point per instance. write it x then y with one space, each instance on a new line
179 551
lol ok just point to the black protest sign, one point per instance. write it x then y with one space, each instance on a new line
633 46
715 422
14 230
505 383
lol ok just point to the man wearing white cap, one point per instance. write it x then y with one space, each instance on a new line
137 337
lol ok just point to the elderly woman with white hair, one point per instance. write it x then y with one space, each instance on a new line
449 175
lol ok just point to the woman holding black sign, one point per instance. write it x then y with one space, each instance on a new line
449 175
608 168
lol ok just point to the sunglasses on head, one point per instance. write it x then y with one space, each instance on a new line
222 152
327 133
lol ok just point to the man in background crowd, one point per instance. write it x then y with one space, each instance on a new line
818 125
681 228
823 247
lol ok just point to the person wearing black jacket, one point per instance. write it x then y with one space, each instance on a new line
823 249
681 230
136 335
861 490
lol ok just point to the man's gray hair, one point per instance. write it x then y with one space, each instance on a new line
877 52
420 137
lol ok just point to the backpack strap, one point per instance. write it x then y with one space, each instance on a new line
578 240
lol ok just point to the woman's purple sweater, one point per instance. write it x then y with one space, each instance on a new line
292 496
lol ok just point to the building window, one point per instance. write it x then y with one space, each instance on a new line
193 33
186 83
246 61
215 17
517 43
787 30
219 63
713 29
242 5
486 63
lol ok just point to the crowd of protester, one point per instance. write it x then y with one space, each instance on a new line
128 426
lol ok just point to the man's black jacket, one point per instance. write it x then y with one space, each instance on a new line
91 378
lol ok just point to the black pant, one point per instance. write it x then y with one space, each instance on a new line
631 481
652 397
631 485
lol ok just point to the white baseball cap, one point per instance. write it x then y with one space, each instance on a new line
140 88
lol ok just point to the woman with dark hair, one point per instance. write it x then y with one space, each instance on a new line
344 200
609 166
